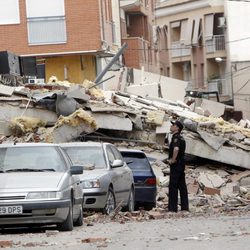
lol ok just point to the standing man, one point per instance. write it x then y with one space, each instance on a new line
177 169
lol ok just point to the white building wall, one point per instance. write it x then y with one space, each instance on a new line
237 22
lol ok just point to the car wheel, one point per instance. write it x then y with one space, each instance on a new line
79 221
131 201
67 225
149 206
110 202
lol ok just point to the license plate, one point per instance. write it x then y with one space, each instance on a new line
11 210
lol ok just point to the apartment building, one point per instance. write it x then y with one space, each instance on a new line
137 30
65 38
191 39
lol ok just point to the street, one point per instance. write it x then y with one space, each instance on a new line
172 232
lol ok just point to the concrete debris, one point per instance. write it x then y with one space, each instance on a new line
210 180
140 116
70 127
23 125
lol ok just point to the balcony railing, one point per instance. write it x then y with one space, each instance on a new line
178 49
215 44
218 85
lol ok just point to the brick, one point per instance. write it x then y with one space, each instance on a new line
211 191
6 243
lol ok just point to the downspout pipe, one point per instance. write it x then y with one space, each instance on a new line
113 60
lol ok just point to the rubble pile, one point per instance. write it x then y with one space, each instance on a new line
212 189
62 111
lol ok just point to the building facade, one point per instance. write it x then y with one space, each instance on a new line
191 39
137 30
66 38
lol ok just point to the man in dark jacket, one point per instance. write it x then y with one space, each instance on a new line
177 169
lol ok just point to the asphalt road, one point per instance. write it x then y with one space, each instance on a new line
215 232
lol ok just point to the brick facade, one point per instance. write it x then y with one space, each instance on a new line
83 27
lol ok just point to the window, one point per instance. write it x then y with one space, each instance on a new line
110 154
46 22
9 12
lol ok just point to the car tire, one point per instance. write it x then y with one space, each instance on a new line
79 221
131 201
110 202
149 206
67 225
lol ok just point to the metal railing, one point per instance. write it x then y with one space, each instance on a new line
218 85
178 49
215 44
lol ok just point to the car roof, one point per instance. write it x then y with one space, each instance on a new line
131 150
83 144
28 144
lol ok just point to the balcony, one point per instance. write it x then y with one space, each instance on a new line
179 50
219 85
135 7
215 44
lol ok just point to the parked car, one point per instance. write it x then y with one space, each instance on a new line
107 181
39 186
144 177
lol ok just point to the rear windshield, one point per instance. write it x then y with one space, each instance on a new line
33 158
87 156
136 161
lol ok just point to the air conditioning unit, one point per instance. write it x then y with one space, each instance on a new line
36 80
222 22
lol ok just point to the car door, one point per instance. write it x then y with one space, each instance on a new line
116 175
126 175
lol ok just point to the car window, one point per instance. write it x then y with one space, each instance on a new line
117 154
111 156
33 158
136 161
87 156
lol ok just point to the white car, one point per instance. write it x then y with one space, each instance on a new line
39 186
107 181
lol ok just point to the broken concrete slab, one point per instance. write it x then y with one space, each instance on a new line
163 128
112 122
237 177
210 180
77 92
216 109
6 90
225 154
213 141
70 127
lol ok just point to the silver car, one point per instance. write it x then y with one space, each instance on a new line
107 181
39 186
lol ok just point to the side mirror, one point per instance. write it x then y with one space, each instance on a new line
74 170
117 163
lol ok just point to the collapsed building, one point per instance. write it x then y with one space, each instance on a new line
62 111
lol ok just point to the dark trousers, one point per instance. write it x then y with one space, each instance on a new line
177 182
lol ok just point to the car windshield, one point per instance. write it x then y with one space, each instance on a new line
30 159
136 161
87 156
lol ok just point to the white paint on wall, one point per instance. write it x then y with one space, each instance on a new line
9 12
45 8
237 21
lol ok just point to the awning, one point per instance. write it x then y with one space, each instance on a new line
189 32
196 31
175 24
209 26
183 30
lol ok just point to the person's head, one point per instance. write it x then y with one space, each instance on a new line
176 126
